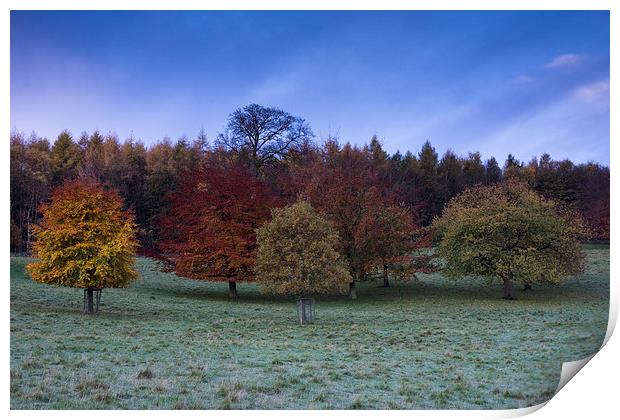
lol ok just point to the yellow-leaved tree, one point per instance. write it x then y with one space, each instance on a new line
85 240
510 233
297 256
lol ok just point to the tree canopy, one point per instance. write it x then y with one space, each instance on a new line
344 191
209 232
263 134
508 232
388 235
145 173
297 254
85 239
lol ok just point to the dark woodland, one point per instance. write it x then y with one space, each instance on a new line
279 152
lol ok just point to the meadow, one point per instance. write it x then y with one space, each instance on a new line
433 343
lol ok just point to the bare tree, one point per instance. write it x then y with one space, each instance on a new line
263 134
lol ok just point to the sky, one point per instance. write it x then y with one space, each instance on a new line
520 82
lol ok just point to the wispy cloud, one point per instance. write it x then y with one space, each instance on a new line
566 128
565 60
402 85
594 92
523 79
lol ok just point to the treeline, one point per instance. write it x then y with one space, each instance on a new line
143 175
280 150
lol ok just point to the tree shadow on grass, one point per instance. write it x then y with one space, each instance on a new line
216 293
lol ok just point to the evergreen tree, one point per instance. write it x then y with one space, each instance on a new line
66 159
92 155
430 188
492 171
473 170
450 172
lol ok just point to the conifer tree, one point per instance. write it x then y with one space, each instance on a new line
66 158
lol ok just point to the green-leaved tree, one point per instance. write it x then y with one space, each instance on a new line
297 254
508 232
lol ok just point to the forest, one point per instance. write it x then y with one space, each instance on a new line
281 152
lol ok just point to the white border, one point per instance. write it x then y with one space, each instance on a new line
592 394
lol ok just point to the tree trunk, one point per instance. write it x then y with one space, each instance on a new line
89 306
305 310
302 312
386 282
508 290
527 286
352 292
232 290
28 235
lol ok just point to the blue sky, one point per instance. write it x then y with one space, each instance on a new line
495 82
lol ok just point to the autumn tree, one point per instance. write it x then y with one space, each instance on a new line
297 169
132 180
263 135
519 171
209 233
397 179
510 233
344 190
31 175
594 201
297 256
166 162
381 167
387 232
373 232
85 240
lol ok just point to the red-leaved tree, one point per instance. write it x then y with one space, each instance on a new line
375 230
387 232
343 189
210 231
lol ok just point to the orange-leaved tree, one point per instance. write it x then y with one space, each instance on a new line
85 240
209 232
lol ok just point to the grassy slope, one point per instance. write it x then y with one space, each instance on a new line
168 342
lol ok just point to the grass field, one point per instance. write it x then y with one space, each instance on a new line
168 342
